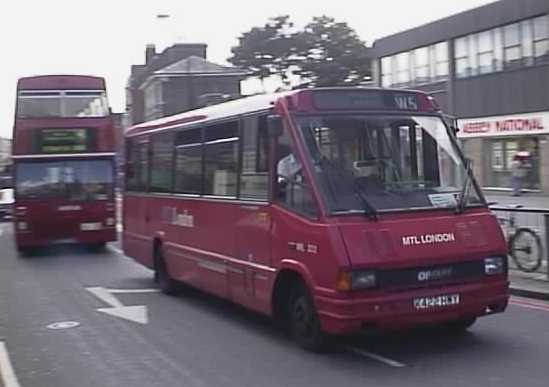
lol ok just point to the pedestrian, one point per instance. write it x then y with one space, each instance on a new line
518 172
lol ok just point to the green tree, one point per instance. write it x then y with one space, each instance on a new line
324 53
266 51
333 55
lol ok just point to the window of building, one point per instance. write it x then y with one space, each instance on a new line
254 180
221 159
162 162
403 69
498 50
526 42
541 39
511 45
440 51
461 53
421 65
386 71
485 52
188 161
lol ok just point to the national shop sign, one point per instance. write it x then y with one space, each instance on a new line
513 125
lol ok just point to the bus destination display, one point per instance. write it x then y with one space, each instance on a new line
63 140
365 100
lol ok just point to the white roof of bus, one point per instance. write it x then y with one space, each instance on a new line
225 109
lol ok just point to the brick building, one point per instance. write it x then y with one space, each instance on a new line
489 67
176 80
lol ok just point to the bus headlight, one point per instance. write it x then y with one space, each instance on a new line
494 265
109 221
356 280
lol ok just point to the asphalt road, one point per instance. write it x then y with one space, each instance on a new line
197 340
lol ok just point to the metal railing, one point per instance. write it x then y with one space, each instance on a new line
513 218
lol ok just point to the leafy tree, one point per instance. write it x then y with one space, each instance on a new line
324 53
266 51
333 54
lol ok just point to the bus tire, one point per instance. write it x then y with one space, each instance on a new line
162 276
303 320
25 252
97 247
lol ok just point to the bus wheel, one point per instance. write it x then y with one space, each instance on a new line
304 322
162 277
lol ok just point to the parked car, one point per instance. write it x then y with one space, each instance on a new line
6 204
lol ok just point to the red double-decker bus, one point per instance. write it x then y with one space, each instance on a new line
334 210
63 153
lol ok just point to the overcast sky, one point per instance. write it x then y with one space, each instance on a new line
104 37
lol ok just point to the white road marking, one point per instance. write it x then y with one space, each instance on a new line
7 374
116 250
104 295
375 356
115 291
136 313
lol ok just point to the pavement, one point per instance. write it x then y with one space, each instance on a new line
532 285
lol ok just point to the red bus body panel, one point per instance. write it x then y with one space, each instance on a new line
236 249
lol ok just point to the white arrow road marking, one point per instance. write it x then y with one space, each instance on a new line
114 291
137 313
105 295
7 374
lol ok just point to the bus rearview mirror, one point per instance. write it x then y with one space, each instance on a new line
275 126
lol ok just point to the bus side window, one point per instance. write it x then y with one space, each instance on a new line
292 186
254 180
132 157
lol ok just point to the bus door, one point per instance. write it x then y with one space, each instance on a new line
248 275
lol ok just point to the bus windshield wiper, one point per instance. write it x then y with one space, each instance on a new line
369 210
464 195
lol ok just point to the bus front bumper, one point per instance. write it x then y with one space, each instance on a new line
398 310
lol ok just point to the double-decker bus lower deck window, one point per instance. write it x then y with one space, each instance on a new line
221 159
77 180
390 162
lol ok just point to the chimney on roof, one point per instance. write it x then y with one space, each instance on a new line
150 53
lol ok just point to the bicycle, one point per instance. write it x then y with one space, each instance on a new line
523 243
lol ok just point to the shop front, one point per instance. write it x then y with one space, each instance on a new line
497 145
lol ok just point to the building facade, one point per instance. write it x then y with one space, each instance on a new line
176 80
488 67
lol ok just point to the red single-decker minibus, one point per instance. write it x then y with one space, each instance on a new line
334 210
63 153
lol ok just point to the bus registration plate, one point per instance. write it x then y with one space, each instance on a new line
436 301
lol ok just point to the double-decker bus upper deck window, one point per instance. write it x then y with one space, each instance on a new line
43 104
221 159
254 183
188 161
162 162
